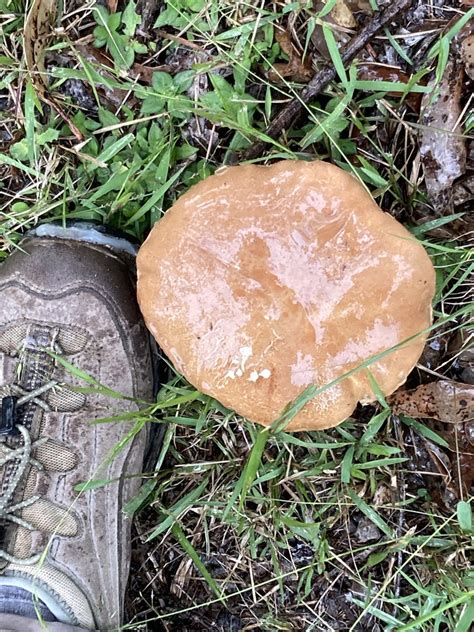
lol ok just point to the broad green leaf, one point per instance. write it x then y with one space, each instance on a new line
130 19
162 82
48 136
464 514
153 105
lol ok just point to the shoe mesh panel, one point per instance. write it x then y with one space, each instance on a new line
49 518
72 340
65 400
55 457
23 544
61 587
11 338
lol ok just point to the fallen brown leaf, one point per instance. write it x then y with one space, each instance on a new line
39 26
38 33
443 146
295 68
444 400
360 6
147 10
342 15
182 577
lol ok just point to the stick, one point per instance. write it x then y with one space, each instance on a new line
290 114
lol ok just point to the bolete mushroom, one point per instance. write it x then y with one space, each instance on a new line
263 280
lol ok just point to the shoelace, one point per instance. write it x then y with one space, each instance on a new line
21 455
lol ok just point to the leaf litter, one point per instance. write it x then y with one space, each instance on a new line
444 400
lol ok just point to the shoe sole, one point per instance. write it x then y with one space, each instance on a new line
86 232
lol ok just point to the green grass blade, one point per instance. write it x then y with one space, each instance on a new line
424 431
191 551
467 618
173 513
371 514
30 99
414 625
334 52
253 463
346 465
154 199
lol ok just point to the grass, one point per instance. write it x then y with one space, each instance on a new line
239 528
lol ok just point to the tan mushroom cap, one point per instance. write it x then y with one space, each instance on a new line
261 281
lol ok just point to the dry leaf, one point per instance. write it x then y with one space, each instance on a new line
360 6
442 145
147 10
182 577
37 35
383 496
467 55
445 400
295 68
342 15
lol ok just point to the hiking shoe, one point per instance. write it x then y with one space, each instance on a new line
68 309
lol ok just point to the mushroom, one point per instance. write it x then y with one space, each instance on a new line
263 280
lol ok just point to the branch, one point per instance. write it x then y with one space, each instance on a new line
291 113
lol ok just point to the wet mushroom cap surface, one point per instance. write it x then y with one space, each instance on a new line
263 280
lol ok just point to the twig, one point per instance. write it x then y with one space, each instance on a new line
292 112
